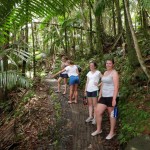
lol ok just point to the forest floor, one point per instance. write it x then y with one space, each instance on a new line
48 122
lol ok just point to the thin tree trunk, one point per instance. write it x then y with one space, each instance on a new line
130 45
66 38
81 42
26 40
138 52
119 21
145 23
99 45
33 42
91 27
114 21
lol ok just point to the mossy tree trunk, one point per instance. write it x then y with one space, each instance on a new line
26 39
136 45
130 45
99 45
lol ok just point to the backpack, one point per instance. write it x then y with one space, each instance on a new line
79 68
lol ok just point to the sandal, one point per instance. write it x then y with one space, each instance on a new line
69 102
109 137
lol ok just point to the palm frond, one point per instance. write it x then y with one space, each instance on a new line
10 79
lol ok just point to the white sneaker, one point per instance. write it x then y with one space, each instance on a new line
93 121
109 137
96 133
89 119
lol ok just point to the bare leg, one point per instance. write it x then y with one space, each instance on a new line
112 122
99 112
90 107
65 82
76 92
71 93
58 83
94 99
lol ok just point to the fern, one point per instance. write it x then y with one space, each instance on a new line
10 79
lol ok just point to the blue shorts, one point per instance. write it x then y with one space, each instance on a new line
74 80
63 75
92 94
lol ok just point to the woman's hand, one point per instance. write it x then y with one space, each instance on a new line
95 83
113 103
99 97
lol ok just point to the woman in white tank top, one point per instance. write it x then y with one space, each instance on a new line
108 98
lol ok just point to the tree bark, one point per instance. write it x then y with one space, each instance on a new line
131 54
91 27
99 45
33 44
26 40
114 20
137 48
119 21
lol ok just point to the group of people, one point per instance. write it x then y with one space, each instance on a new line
100 95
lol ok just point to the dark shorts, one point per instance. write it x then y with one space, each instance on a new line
74 80
107 101
64 75
92 94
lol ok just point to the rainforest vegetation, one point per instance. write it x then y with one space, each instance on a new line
35 33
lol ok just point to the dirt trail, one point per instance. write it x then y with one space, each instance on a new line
80 132
48 122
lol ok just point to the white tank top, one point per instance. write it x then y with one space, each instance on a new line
108 86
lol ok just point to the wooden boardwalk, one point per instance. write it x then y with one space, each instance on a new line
79 135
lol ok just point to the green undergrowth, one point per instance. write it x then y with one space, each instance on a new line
17 109
55 130
134 112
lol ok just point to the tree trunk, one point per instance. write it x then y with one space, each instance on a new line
130 45
91 28
81 42
145 22
138 52
119 21
99 45
33 42
114 20
66 38
26 49
26 40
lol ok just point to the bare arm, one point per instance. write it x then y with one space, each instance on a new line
87 81
100 93
116 87
58 73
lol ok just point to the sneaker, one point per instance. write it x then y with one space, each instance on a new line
57 91
109 137
89 119
93 121
96 133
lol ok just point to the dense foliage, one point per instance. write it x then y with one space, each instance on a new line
34 33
